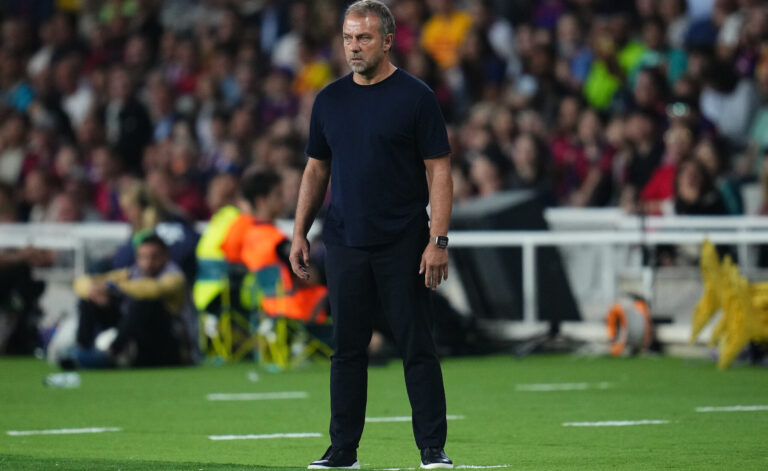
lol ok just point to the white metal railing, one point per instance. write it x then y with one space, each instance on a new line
603 229
529 241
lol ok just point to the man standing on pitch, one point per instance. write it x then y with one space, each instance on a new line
379 136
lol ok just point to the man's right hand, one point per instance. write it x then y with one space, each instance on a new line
299 257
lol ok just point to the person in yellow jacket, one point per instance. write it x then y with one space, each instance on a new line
212 267
131 316
444 32
254 241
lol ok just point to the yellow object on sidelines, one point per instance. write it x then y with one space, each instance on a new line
744 306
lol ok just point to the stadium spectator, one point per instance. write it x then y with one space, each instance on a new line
15 158
8 209
498 32
671 61
695 192
529 166
646 151
17 92
444 32
758 132
314 70
19 296
673 12
573 51
285 53
583 165
661 186
729 101
711 154
486 174
144 210
126 120
106 175
38 196
144 305
409 16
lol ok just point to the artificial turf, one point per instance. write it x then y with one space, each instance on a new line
165 419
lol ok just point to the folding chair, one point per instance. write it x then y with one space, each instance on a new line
227 331
283 342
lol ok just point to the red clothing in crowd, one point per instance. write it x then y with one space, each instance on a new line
572 164
661 186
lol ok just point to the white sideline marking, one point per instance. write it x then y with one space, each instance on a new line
461 466
547 387
265 436
731 409
406 418
257 396
62 431
615 423
470 466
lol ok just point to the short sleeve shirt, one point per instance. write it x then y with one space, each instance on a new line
377 138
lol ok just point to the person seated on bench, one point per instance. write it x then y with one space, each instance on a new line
132 316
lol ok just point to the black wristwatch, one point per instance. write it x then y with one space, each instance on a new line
441 242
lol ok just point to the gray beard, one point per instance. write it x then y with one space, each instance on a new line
363 68
360 68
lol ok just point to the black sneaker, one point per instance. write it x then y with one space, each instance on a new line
335 458
432 458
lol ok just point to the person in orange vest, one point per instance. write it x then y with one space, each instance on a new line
254 241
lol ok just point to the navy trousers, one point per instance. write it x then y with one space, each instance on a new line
364 281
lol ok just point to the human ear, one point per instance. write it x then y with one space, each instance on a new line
388 40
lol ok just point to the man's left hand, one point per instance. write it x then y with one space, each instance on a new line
434 265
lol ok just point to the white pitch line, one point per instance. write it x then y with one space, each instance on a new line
62 431
406 418
461 466
732 409
548 387
265 436
615 423
257 396
470 466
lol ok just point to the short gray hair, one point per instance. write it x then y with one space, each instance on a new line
364 7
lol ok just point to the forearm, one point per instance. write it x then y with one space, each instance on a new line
440 197
82 286
590 184
314 184
168 286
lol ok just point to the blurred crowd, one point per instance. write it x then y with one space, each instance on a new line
657 106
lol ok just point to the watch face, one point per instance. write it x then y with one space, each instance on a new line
441 242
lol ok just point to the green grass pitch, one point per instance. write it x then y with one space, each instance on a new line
165 418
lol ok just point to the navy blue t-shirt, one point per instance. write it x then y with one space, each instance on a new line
377 137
